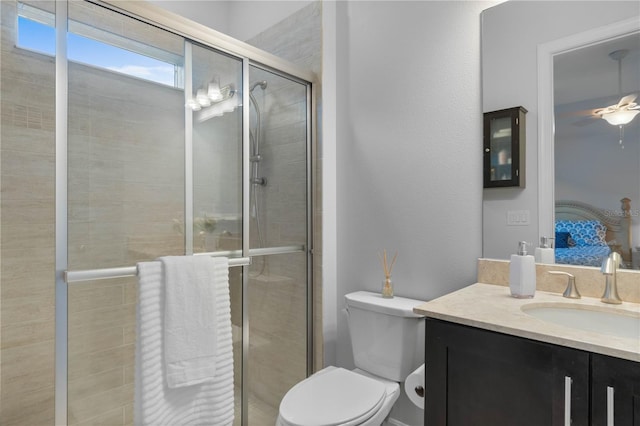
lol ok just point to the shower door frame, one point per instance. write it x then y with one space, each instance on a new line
250 57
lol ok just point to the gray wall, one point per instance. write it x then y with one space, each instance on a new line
409 173
409 139
509 78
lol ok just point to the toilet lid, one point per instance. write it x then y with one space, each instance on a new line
337 397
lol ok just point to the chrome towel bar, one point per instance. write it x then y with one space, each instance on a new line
132 271
126 271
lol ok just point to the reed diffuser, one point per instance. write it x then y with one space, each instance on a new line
387 284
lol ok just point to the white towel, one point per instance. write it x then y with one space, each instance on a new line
156 404
189 319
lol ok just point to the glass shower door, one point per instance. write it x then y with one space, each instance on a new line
150 174
277 283
158 151
216 135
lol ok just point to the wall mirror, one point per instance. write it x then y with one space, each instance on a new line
594 145
563 73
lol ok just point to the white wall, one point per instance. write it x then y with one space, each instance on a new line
213 14
511 33
409 144
247 18
239 19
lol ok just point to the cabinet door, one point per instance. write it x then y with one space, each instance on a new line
615 391
476 377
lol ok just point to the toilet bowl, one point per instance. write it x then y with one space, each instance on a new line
336 396
388 344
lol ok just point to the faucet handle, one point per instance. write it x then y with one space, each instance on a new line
611 263
609 266
571 291
617 259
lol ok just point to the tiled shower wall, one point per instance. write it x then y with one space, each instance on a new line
27 223
126 189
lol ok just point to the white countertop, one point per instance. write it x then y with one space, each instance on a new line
491 307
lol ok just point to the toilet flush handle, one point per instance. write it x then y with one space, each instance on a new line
420 391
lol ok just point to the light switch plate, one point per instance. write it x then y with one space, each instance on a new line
517 217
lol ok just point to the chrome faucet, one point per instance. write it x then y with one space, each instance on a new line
571 292
609 268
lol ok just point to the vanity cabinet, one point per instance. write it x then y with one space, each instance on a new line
615 391
476 377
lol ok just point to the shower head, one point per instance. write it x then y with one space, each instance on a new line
262 84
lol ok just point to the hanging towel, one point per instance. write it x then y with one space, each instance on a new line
189 319
210 403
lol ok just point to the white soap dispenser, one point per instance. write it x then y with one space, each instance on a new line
545 253
522 273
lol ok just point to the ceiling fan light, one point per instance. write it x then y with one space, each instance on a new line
620 117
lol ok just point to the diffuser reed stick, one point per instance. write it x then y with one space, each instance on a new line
387 286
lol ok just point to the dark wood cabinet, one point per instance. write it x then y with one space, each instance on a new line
615 391
476 377
504 148
479 378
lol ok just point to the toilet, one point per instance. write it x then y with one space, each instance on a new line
388 344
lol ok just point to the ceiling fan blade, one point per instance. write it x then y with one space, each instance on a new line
601 111
584 112
627 100
585 121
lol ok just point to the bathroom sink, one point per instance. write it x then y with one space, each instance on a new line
609 321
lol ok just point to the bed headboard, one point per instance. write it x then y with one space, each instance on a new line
617 221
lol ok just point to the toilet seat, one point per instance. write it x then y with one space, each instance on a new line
320 399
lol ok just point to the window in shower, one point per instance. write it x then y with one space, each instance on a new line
99 48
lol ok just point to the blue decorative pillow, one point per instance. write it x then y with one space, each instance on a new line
585 233
562 239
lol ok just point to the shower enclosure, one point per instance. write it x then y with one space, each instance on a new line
137 135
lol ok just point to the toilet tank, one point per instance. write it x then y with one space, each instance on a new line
386 336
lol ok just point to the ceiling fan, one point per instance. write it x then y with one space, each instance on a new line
618 114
